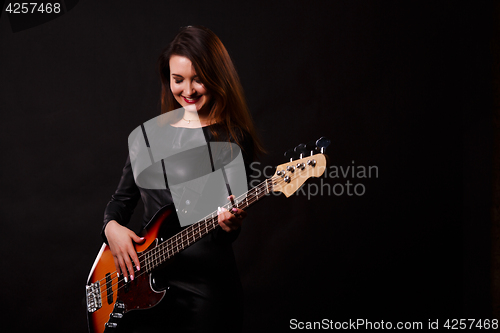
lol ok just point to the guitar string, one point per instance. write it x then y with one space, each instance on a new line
254 197
190 233
151 265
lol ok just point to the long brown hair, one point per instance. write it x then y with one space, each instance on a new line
216 71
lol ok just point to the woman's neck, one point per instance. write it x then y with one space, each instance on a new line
194 120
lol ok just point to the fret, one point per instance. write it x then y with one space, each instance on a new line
196 226
155 258
199 229
152 262
185 239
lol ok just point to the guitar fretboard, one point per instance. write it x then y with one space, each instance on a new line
166 250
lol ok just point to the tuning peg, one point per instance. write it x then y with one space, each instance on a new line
291 154
301 149
311 146
322 143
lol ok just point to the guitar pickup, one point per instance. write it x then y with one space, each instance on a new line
109 288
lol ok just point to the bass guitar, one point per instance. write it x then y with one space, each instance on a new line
109 298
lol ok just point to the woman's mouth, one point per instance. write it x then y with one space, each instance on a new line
191 100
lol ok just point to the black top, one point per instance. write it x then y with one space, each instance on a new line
205 271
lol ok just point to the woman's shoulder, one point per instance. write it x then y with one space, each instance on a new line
235 135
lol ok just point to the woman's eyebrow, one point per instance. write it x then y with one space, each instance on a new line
176 75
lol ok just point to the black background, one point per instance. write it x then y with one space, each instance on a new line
404 86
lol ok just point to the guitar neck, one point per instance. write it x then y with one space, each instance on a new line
164 251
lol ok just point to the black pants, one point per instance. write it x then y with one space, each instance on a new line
187 308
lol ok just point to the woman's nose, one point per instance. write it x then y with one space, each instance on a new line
188 89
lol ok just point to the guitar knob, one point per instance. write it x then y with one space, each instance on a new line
301 166
290 168
311 162
322 143
301 149
287 179
291 154
311 146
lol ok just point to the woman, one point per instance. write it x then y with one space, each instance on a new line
204 294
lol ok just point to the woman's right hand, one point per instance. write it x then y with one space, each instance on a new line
121 243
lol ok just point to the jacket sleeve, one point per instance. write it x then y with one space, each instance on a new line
123 201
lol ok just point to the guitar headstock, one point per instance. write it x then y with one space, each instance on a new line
290 176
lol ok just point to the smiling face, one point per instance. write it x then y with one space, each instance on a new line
185 85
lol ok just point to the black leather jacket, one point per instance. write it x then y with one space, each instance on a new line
205 273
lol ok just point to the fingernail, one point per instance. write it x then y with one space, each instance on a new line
131 278
125 278
234 210
138 268
219 209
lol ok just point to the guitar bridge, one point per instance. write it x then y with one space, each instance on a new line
94 301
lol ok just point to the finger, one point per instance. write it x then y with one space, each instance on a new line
135 259
222 218
228 221
129 265
137 239
224 226
133 255
234 222
117 265
225 214
231 199
240 213
123 268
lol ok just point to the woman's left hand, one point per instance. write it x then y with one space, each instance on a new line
231 220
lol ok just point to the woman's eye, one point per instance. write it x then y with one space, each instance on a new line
178 81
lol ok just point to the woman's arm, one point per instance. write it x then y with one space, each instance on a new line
116 215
